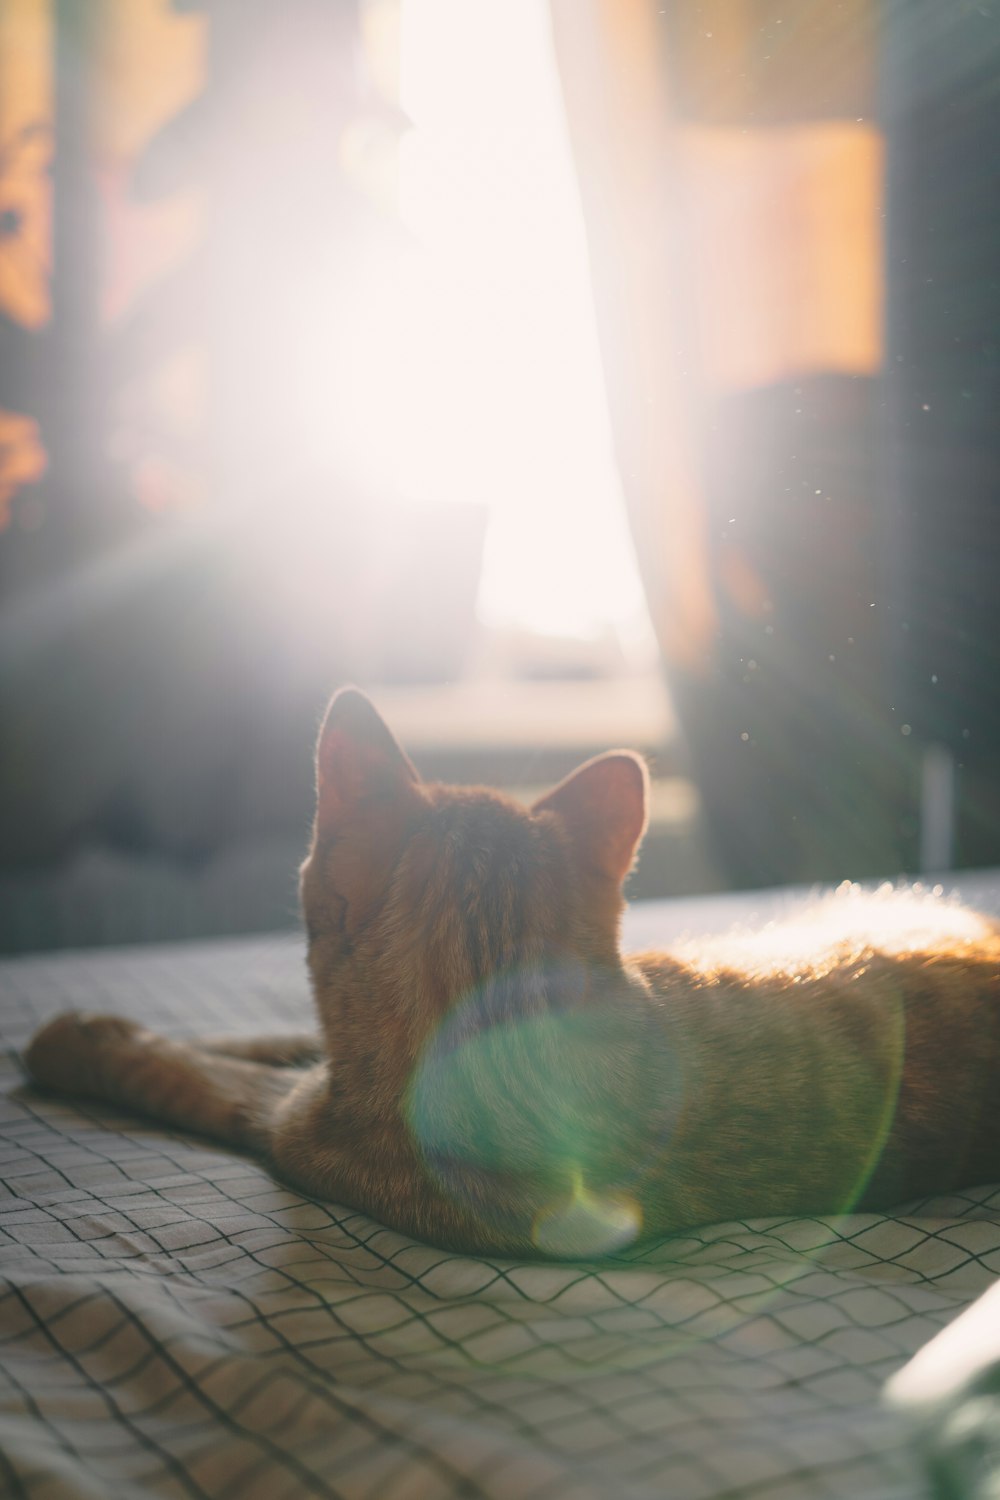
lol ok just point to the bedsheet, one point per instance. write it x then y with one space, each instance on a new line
173 1322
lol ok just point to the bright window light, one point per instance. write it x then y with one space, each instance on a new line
505 402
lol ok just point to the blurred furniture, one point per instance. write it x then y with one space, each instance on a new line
950 1393
522 736
184 575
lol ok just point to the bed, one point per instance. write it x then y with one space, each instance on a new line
175 1323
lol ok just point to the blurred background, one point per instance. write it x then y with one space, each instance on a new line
567 373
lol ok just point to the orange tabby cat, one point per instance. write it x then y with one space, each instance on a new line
495 1076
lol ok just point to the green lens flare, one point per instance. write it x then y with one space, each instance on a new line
528 1097
574 1126
586 1224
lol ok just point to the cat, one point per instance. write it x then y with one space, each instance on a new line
493 1076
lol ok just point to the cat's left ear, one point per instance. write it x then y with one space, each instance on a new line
360 765
603 806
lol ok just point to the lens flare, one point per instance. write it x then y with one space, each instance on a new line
546 1100
586 1224
516 1105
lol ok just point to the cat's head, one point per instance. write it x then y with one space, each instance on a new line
417 895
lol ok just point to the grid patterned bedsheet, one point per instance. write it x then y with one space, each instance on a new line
175 1323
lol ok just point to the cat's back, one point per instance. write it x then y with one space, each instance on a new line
857 1043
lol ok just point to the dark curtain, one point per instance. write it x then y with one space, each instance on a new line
731 158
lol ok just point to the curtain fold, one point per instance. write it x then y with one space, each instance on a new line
627 157
730 172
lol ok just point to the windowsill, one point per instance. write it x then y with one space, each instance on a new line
484 713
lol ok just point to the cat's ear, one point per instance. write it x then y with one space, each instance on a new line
603 806
359 762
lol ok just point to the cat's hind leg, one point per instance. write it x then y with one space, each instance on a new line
294 1050
108 1058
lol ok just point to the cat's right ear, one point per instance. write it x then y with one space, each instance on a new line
603 806
359 763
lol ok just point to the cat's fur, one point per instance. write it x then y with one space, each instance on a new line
494 1076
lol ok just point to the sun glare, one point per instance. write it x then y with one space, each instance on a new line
504 401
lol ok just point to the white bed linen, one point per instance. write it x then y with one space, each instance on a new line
175 1323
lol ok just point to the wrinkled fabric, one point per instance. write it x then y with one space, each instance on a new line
173 1322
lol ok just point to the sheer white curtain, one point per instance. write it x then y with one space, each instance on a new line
507 403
